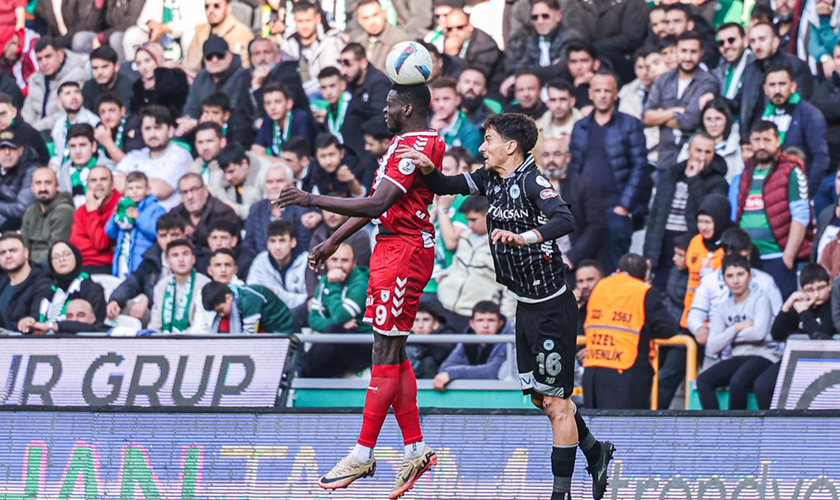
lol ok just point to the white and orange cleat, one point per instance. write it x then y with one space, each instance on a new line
411 470
346 471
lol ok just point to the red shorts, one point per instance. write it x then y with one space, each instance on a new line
398 273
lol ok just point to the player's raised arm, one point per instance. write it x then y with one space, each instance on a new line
437 182
371 207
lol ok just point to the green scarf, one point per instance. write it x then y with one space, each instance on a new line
120 216
454 128
175 314
78 180
771 112
120 132
280 136
56 308
168 11
336 122
390 12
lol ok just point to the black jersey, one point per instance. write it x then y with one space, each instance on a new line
520 202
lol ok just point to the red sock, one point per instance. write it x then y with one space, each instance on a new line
405 405
384 384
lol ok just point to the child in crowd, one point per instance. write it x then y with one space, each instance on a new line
425 359
281 123
678 277
134 224
743 322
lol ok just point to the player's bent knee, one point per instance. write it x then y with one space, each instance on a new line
558 409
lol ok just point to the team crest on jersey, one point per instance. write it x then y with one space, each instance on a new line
548 345
406 166
514 191
385 295
547 194
542 181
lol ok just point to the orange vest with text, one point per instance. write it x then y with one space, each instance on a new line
615 317
699 260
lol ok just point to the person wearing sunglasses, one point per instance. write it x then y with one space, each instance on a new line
220 22
473 45
735 55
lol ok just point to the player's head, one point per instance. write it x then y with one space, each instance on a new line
508 136
407 106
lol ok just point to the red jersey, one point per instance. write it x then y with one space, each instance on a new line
409 216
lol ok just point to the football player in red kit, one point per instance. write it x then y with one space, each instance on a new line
401 266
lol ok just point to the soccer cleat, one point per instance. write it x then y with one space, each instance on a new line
598 470
411 470
345 472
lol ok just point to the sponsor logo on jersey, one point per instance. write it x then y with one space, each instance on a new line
547 194
406 166
509 213
542 181
514 191
754 202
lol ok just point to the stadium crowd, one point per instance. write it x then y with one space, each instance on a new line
145 140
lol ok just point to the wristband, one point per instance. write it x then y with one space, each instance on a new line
530 237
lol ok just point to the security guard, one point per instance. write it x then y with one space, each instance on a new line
623 316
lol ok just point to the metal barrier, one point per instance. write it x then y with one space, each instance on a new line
685 341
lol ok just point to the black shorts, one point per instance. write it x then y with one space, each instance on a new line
546 342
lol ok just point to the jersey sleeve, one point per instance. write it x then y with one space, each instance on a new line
560 221
403 172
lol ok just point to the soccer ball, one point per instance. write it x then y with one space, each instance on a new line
409 63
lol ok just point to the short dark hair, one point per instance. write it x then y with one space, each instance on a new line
591 263
325 140
210 126
44 42
811 273
602 71
223 251
552 4
68 84
374 127
777 68
214 294
417 95
515 127
273 86
6 99
425 306
80 130
471 67
305 5
735 240
648 49
230 154
445 82
685 9
217 100
690 35
633 264
560 84
298 146
582 46
11 235
735 260
109 97
281 227
773 27
357 49
726 26
665 42
179 243
226 226
329 72
682 241
106 53
478 204
169 221
136 176
764 126
486 306
160 114
526 72
366 2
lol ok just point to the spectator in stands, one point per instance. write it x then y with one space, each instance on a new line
425 359
163 161
222 267
800 123
338 306
338 119
133 226
451 123
472 45
21 285
200 210
296 156
282 123
243 181
623 316
583 197
717 121
656 20
310 42
68 282
64 20
277 177
471 278
277 269
270 64
118 132
559 121
412 17
120 15
170 24
17 164
540 47
735 55
679 19
83 155
334 170
587 274
221 23
11 120
70 101
209 141
9 87
377 35
778 214
472 87
677 280
235 128
56 66
679 193
79 319
633 96
581 65
107 77
476 361
675 100
765 44
826 249
89 220
377 138
50 219
827 99
743 322
368 86
134 295
806 311
668 51
158 84
526 95
608 149
177 305
246 310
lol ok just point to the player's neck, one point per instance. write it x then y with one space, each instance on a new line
420 124
510 165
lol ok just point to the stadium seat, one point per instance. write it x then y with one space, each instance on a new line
108 282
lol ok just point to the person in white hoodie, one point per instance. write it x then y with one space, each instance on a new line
278 268
743 323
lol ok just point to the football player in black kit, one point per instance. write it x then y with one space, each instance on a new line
526 216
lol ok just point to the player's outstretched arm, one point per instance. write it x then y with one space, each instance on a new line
371 207
322 251
436 181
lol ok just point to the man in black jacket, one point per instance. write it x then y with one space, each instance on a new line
473 45
170 227
368 86
17 164
21 285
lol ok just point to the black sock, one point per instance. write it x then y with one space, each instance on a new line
562 466
586 441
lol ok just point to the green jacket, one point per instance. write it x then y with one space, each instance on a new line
261 309
41 229
337 303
